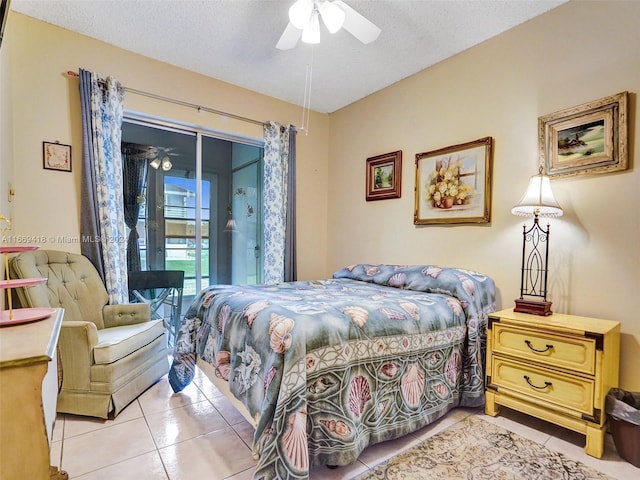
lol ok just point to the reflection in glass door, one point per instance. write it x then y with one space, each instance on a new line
246 258
179 217
191 211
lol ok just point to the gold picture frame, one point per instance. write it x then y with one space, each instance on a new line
453 184
56 156
384 176
587 139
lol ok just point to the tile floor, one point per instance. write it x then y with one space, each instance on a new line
198 434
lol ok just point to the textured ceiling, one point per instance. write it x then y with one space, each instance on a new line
234 40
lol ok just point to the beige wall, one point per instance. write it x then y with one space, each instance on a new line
46 106
576 53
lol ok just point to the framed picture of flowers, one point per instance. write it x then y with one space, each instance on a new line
384 176
453 184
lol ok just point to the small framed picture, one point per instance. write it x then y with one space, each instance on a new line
56 156
384 176
587 139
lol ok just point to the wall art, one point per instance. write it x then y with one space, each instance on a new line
384 176
588 139
453 184
56 156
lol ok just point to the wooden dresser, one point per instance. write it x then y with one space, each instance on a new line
28 394
558 368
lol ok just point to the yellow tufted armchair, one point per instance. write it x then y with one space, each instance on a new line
110 354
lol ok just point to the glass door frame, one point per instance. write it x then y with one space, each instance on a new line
199 132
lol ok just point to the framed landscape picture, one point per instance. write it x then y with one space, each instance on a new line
587 139
384 176
453 184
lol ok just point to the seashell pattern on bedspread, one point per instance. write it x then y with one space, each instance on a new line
331 366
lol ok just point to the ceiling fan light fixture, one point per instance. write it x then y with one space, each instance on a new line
336 14
300 13
166 164
155 163
332 16
311 33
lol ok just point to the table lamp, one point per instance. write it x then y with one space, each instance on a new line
537 201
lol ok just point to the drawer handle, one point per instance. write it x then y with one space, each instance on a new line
548 347
546 384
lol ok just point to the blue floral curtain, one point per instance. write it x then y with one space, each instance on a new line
102 211
279 203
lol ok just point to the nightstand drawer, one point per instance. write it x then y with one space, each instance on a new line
550 386
559 351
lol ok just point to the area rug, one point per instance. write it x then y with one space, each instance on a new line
475 449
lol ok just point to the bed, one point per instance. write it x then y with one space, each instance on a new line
325 368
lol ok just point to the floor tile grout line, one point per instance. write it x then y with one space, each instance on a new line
207 399
64 421
143 416
153 439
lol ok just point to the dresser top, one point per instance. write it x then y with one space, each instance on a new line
30 342
558 321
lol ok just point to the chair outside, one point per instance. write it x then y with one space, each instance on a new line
162 290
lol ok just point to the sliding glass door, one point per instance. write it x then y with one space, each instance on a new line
199 205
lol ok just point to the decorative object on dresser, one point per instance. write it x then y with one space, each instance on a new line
384 176
558 368
537 201
11 316
453 184
588 139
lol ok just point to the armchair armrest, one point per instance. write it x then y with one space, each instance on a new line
76 342
125 314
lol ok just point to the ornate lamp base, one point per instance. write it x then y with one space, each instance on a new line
534 307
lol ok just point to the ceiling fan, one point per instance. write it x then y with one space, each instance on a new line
304 22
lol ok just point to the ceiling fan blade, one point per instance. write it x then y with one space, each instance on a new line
289 38
357 25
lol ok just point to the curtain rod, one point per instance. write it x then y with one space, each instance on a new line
71 73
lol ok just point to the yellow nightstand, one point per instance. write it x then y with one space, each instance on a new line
558 368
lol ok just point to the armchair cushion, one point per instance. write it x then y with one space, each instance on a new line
117 342
126 314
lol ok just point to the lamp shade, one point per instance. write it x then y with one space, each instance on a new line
155 163
538 200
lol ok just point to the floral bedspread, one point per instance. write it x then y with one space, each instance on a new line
328 367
